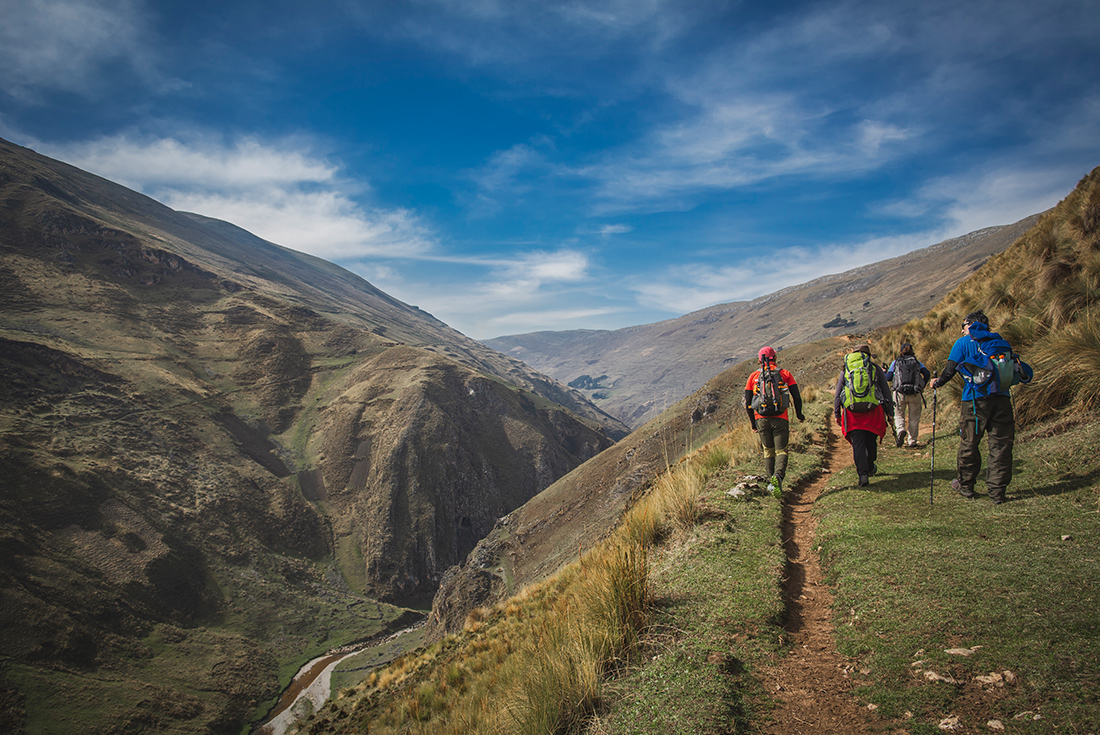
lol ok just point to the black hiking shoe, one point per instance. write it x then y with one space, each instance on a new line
957 487
863 481
874 470
901 438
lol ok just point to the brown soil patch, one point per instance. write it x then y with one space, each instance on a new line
811 682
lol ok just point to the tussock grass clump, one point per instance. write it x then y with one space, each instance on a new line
1041 294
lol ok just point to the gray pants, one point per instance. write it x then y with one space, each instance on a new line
993 418
907 410
774 434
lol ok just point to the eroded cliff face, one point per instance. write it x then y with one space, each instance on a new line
419 457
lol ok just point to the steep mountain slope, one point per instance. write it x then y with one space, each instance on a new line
635 373
554 527
220 455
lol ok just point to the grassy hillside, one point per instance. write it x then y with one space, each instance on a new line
1041 294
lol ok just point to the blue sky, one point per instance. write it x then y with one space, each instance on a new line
518 166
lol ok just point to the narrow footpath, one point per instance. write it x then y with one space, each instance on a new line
812 681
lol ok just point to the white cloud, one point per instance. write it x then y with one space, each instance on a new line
279 191
563 265
200 164
326 223
690 287
61 44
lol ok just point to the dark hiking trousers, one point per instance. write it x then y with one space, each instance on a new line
774 433
864 450
993 419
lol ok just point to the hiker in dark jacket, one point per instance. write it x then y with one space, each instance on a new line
907 377
773 430
863 428
982 411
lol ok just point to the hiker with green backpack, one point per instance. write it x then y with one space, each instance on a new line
989 368
768 393
862 401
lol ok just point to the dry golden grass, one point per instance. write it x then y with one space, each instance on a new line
1041 294
537 662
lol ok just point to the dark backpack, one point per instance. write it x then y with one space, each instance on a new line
859 382
770 396
907 376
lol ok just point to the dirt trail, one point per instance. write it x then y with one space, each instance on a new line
811 681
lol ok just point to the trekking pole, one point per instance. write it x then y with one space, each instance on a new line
932 480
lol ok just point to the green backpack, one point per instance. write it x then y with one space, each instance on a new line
859 383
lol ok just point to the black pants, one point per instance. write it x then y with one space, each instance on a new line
993 419
864 450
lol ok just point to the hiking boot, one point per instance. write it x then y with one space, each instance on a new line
901 437
874 470
863 481
1002 499
957 487
998 496
775 487
913 445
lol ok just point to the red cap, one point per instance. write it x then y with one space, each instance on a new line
767 352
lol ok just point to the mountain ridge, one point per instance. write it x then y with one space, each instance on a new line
635 372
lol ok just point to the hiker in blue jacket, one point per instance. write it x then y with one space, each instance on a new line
984 409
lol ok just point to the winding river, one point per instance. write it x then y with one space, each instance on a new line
313 682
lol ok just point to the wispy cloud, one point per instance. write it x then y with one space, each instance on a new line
277 190
696 285
61 44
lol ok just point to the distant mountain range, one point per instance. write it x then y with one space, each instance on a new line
636 372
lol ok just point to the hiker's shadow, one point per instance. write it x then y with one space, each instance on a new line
1066 483
901 482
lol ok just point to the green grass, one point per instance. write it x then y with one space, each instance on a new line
913 578
718 608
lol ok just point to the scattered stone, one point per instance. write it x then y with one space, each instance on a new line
994 679
933 676
995 725
908 715
1010 677
951 723
916 664
1067 537
737 493
962 651
1028 715
872 706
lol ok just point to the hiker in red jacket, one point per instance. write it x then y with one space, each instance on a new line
768 392
861 403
